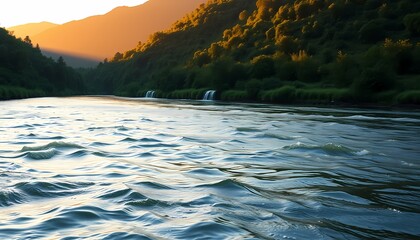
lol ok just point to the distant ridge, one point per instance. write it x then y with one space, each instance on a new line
72 60
101 36
31 29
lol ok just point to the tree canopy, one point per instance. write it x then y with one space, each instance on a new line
295 51
25 72
320 50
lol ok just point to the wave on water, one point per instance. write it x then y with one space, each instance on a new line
167 195
50 189
122 195
52 145
79 154
44 107
200 140
329 148
42 154
247 129
144 140
373 118
47 151
9 197
276 135
114 170
26 191
35 136
158 145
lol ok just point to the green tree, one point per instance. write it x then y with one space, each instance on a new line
117 57
28 40
373 80
262 67
373 31
253 88
412 23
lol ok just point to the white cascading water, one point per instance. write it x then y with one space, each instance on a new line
209 96
150 94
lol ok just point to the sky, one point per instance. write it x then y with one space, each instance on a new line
17 12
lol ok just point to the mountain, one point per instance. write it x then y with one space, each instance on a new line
31 29
100 37
291 51
25 72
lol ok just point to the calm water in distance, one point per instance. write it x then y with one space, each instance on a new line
114 168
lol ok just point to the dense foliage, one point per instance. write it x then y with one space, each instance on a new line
311 51
302 51
25 72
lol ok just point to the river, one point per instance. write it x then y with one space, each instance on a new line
119 168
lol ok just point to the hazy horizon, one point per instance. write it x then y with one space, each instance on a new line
20 12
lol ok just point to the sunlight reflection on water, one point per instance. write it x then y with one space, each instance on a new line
112 168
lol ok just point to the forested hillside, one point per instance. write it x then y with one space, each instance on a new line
303 51
25 72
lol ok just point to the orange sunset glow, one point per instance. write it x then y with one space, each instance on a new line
19 12
101 36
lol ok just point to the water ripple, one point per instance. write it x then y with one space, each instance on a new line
52 145
119 168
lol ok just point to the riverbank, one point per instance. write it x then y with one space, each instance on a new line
301 96
186 95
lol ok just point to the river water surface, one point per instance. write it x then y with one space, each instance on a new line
112 168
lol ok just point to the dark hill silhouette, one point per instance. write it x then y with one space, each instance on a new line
25 72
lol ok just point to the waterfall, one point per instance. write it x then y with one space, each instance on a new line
209 96
150 94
